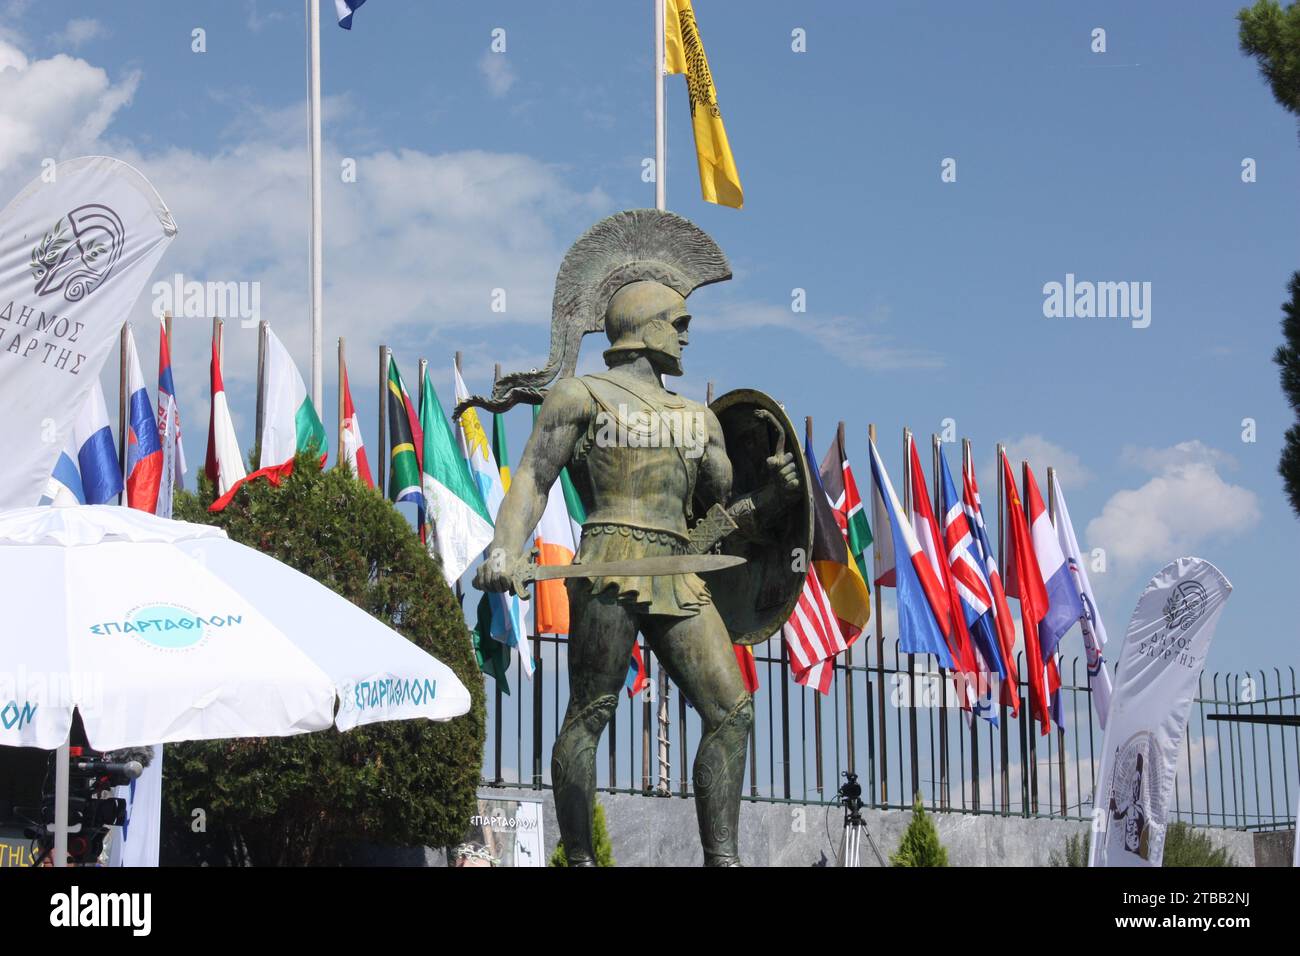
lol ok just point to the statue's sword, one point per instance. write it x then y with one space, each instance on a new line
657 566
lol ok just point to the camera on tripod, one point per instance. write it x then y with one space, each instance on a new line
91 809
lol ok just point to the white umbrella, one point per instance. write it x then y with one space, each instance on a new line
160 631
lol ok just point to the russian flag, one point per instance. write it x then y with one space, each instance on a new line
144 456
1063 605
919 591
87 472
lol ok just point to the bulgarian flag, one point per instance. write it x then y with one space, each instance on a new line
224 465
290 423
462 527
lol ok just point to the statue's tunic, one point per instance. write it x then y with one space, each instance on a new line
638 461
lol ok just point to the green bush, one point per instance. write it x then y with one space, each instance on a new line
1184 846
1187 846
600 844
920 845
1074 853
306 800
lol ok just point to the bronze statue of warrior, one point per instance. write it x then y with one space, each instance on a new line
656 475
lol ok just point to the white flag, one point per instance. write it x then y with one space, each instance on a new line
137 842
1159 670
76 248
1094 631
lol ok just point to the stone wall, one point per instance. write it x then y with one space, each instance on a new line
661 831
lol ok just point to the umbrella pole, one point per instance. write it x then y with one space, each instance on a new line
61 765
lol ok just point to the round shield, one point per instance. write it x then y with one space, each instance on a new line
775 538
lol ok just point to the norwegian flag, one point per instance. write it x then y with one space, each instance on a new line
945 603
813 636
638 678
1001 612
974 594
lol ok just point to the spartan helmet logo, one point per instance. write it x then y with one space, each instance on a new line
77 255
1185 605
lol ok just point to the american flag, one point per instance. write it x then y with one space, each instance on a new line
813 636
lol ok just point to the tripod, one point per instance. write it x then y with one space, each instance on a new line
855 828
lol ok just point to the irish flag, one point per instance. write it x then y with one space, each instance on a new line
290 423
556 539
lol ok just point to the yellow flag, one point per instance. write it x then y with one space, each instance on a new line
684 53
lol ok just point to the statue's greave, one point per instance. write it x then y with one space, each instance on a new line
573 776
719 775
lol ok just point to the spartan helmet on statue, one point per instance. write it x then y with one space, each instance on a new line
628 275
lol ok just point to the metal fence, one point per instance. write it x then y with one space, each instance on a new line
895 720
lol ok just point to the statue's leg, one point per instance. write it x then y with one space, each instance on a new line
698 656
600 644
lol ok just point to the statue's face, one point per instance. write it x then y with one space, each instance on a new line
665 338
650 318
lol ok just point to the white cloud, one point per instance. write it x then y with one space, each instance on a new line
1041 453
498 73
1186 503
79 32
413 248
55 107
851 339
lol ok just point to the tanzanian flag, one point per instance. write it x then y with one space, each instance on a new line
406 441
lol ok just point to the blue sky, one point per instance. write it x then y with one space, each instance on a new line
475 170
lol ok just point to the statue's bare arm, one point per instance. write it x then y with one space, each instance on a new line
715 468
562 421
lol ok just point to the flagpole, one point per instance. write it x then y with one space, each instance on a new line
260 415
1032 735
848 652
167 329
381 463
121 407
343 374
817 703
911 658
1060 731
974 734
944 795
880 641
497 731
316 254
661 137
1014 688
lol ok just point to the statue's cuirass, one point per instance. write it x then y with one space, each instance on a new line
640 456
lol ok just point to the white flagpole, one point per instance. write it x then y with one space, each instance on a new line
313 134
661 141
664 784
61 785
